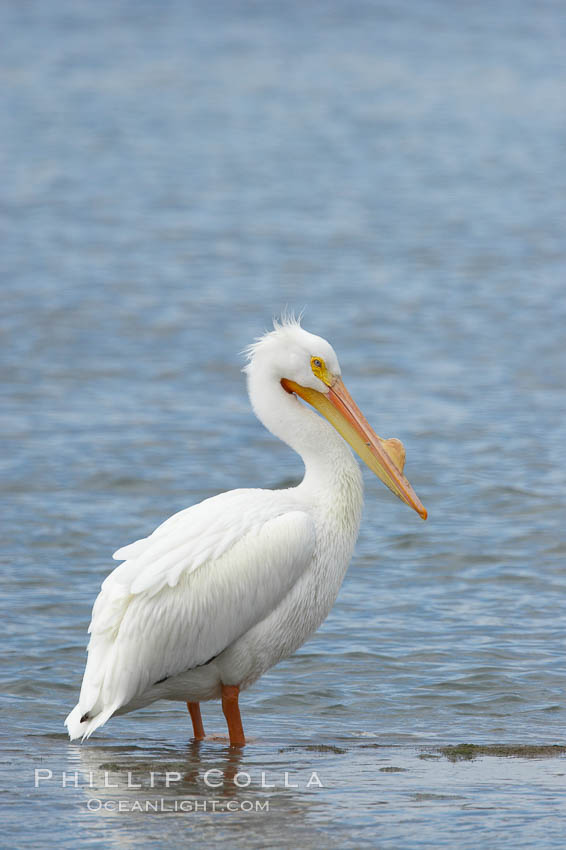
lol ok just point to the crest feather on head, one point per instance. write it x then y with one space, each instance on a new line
287 321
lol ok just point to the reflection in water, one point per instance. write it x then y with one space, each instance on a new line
113 773
195 785
160 779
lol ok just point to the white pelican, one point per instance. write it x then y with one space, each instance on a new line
225 589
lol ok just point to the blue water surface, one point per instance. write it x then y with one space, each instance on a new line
175 174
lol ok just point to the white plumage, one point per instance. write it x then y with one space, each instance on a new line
223 590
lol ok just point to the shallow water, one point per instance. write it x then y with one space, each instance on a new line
172 177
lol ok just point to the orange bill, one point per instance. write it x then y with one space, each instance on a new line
386 458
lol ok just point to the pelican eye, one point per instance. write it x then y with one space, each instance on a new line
319 370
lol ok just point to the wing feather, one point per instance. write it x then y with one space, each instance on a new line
193 536
199 582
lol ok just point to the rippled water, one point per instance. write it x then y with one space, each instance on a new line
172 176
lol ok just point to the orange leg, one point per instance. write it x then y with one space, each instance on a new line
231 711
198 728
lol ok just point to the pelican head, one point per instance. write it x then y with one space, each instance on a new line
306 365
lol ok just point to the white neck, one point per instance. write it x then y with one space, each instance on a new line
329 464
